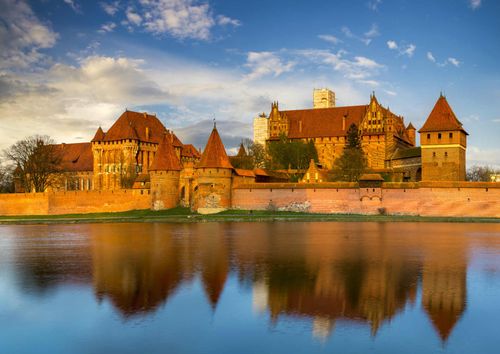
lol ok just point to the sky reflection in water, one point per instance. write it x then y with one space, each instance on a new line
250 288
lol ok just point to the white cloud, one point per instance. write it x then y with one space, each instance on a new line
453 61
372 32
431 57
329 38
392 45
483 157
179 18
496 120
224 20
359 68
266 63
474 4
22 35
74 5
110 8
373 4
391 93
407 50
366 38
107 27
133 17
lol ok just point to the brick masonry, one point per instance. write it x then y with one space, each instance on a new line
57 203
458 199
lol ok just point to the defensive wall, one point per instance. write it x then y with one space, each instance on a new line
456 199
74 202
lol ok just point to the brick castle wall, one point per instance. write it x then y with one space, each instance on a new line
458 199
56 203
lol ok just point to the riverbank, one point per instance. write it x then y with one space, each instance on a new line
185 215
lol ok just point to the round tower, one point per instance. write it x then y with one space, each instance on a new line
164 175
213 175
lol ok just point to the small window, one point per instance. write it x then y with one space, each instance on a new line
434 154
439 135
446 154
450 135
428 136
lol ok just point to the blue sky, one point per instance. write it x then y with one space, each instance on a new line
68 66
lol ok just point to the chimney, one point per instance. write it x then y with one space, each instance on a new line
343 122
300 126
147 133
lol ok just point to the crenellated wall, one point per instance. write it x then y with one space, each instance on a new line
77 202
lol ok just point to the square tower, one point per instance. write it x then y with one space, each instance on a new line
444 143
323 98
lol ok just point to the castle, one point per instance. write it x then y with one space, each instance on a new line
389 144
139 153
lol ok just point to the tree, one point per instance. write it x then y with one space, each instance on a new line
479 173
295 154
6 178
37 160
352 163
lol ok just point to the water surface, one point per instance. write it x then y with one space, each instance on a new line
316 287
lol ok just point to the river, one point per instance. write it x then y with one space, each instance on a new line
270 287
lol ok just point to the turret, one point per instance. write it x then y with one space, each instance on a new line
444 143
410 130
214 176
164 174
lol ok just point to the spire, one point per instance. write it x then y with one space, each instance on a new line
242 152
165 158
410 127
99 135
441 118
214 155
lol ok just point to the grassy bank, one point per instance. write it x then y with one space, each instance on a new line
184 215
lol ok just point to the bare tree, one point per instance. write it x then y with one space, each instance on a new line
479 173
37 160
6 178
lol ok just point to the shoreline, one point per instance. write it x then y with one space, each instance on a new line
184 215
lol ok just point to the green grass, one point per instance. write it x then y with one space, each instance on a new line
186 215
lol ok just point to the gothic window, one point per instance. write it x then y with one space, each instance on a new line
450 135
428 136
439 135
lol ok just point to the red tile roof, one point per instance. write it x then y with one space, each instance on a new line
190 151
165 157
138 126
244 173
441 118
214 155
323 122
76 157
99 135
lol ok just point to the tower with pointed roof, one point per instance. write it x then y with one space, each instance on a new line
213 177
164 175
444 143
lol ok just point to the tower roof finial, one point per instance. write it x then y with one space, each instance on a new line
215 123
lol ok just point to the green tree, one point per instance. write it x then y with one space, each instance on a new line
352 163
294 154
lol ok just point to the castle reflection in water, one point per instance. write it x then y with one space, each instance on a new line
325 272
